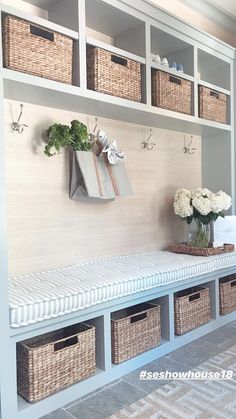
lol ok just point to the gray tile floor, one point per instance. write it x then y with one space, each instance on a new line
109 399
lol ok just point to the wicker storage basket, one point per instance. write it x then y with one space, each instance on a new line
51 362
227 294
112 74
37 51
192 309
135 330
212 105
171 92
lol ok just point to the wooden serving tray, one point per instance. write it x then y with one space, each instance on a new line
198 251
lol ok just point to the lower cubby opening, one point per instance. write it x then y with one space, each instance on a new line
56 361
54 399
227 294
194 307
139 328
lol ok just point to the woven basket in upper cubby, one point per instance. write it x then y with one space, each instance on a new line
34 50
113 74
171 92
135 330
192 309
212 105
51 362
227 294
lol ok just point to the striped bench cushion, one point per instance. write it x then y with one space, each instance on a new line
49 294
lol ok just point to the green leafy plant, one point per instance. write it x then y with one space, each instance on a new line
74 137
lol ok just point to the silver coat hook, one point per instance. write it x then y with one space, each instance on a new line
187 149
146 144
17 126
92 135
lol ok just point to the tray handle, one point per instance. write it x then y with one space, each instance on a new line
138 317
119 60
233 283
194 297
214 94
42 33
175 80
66 343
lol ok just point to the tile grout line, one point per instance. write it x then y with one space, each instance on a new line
185 365
137 388
209 357
68 413
181 364
191 367
94 394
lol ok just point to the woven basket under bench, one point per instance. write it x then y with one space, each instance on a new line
113 74
135 330
227 294
192 309
53 361
34 50
171 92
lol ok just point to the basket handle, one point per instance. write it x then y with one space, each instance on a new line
175 80
42 33
194 297
233 283
215 94
138 317
65 343
119 60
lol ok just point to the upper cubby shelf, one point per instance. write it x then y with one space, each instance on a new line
114 27
213 70
158 66
111 25
47 13
100 44
52 94
176 51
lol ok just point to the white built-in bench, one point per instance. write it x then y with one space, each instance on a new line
90 292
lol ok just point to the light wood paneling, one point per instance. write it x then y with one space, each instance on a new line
198 19
46 229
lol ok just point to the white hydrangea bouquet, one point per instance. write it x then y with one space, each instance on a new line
203 206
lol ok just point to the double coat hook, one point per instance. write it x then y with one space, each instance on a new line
188 149
17 126
92 135
146 144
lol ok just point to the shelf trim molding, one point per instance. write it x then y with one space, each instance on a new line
94 42
39 21
118 107
170 71
214 87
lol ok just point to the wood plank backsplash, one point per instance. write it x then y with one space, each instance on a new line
46 229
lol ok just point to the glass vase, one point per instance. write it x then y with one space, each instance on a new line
199 234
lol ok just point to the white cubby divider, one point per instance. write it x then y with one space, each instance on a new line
173 49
